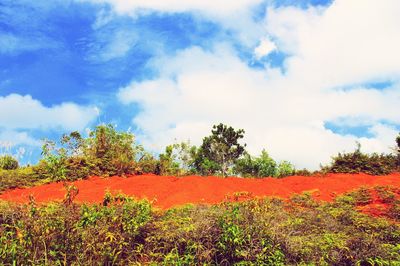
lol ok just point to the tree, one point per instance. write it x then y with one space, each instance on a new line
220 150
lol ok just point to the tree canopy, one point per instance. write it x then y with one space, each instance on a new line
221 149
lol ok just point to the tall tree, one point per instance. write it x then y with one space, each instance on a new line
222 148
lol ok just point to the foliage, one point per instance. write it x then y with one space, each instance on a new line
398 143
7 162
220 150
358 162
17 178
113 152
146 164
168 164
123 231
303 172
105 152
398 150
284 169
263 166
204 165
53 163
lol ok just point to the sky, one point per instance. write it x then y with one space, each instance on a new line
305 79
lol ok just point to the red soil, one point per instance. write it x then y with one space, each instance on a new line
168 191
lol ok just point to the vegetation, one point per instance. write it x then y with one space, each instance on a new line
107 152
8 162
398 149
220 150
358 162
124 231
21 177
249 166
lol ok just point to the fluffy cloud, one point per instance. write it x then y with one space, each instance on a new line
346 45
23 112
264 48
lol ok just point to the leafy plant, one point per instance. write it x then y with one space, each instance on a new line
7 162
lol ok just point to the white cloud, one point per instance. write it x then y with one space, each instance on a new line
220 7
24 112
234 16
11 138
350 42
264 48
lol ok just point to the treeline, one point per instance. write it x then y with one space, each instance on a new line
108 152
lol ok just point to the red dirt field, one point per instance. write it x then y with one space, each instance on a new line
169 191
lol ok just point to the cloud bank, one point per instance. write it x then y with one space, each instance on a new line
19 114
334 55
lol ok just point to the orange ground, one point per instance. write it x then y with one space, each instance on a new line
168 191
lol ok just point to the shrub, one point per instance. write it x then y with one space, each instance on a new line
285 168
105 152
21 177
358 162
7 162
112 152
124 231
146 164
262 166
303 172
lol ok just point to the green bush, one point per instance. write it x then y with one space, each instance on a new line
7 162
358 162
284 169
263 166
250 166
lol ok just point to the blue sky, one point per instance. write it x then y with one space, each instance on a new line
168 70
